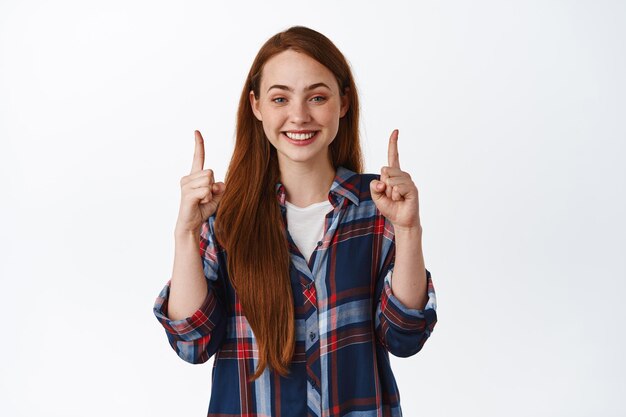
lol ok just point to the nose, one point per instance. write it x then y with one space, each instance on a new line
299 113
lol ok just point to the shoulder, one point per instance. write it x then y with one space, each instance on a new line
357 183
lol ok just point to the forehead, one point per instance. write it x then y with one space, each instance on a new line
297 70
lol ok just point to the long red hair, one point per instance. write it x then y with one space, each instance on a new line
249 224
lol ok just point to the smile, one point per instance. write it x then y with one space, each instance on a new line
300 136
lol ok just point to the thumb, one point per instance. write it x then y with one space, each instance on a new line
377 189
218 191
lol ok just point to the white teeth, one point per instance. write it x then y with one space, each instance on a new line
300 136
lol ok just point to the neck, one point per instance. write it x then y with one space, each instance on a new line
306 183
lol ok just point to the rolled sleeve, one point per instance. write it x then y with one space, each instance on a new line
403 318
402 330
197 337
199 324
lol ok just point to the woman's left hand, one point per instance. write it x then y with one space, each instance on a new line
395 195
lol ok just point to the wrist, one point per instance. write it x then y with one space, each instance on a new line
414 231
183 235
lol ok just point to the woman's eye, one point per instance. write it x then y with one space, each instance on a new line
278 98
318 97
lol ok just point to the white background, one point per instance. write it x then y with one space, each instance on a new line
511 118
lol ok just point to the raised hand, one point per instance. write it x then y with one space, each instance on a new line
200 195
395 195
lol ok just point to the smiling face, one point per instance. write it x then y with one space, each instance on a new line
300 107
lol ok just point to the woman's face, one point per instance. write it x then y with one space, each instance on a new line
300 107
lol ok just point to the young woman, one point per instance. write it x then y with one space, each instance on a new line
284 272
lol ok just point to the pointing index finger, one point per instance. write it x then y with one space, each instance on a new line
198 155
392 155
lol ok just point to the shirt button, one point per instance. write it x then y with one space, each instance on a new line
319 243
312 336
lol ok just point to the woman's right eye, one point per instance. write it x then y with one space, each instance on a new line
278 98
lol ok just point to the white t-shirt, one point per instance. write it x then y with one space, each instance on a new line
306 225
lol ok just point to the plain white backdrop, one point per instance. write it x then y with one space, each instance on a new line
512 124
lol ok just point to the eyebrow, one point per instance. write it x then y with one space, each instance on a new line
311 87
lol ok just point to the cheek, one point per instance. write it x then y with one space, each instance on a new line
326 114
268 121
272 119
330 116
272 125
269 131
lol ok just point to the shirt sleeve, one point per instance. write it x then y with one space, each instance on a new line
196 338
401 330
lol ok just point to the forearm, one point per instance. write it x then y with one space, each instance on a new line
408 280
188 287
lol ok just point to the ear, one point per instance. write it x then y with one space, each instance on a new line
345 103
254 103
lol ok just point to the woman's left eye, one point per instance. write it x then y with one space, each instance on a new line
318 97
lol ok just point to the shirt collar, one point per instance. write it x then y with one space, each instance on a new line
346 184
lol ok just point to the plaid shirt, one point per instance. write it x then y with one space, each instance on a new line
347 320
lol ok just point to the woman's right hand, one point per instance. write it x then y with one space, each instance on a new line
200 195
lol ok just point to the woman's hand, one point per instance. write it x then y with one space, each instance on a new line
200 195
395 195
